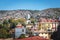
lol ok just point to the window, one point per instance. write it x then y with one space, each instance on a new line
22 30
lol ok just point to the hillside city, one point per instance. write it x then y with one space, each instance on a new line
26 27
29 24
29 19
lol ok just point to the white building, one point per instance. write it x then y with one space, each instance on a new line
28 21
44 35
19 30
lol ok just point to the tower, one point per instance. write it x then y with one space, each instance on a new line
28 16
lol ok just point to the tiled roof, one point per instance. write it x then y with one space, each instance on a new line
47 20
33 38
19 26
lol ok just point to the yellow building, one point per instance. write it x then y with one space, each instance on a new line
48 24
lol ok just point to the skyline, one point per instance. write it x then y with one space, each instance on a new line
28 4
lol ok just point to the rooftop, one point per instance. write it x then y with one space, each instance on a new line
33 38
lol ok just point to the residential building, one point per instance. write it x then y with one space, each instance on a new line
48 24
19 30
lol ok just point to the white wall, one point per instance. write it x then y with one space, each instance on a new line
18 32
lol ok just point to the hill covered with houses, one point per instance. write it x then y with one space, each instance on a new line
28 23
51 12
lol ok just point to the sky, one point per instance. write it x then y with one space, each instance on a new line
28 4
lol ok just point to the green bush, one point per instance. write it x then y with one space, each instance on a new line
4 33
22 36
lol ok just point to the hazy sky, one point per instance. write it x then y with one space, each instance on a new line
28 4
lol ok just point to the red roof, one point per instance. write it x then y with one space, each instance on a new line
48 20
33 38
19 26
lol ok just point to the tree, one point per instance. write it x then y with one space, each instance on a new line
4 33
1 26
10 20
22 36
22 21
32 20
13 25
5 21
6 25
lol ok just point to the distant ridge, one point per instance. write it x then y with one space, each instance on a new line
22 13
